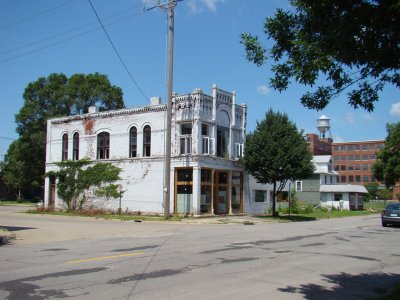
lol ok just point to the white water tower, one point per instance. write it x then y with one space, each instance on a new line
323 126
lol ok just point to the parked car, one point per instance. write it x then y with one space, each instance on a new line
391 214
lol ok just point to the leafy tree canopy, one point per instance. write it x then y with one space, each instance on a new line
49 97
387 167
277 152
352 45
13 167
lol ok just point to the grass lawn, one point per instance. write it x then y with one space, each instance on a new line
105 216
369 208
321 214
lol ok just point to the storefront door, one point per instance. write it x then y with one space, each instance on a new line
221 200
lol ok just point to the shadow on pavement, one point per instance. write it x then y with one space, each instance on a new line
347 286
16 228
6 239
297 218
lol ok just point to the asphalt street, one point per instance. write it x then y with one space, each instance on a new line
84 258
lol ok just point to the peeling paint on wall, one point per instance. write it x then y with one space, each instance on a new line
88 125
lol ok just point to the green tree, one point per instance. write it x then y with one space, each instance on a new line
387 166
77 181
349 45
54 96
277 152
13 168
372 188
385 194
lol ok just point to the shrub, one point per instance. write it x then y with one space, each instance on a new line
45 209
324 209
297 207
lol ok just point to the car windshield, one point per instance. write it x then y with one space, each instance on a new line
393 206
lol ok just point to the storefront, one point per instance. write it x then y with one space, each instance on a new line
208 191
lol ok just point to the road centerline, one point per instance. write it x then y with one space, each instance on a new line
104 257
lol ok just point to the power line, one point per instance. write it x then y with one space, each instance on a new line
71 30
61 41
116 51
36 15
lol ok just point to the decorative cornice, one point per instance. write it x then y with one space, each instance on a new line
111 113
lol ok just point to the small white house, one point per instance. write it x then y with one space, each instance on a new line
323 188
208 137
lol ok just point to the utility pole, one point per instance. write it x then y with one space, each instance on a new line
168 7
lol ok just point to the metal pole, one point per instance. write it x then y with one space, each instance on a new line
167 175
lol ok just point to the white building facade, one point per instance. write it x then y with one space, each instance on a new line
208 136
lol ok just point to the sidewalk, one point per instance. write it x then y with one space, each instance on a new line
226 219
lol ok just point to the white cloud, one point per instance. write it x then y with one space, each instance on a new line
197 6
395 109
338 139
263 89
193 6
349 118
369 118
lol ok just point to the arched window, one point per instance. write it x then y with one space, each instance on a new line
103 145
133 142
64 155
146 141
75 147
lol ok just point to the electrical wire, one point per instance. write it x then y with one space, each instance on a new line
61 41
117 53
36 15
70 31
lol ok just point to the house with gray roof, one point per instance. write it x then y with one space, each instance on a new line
322 188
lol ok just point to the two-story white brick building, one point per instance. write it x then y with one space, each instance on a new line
208 134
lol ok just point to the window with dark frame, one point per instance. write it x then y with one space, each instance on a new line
259 196
338 197
64 155
133 142
75 146
299 186
103 145
222 142
185 139
205 135
147 141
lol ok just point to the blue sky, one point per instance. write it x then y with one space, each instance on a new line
41 37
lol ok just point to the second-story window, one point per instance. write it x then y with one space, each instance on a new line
103 145
75 147
222 142
64 155
207 141
133 142
185 138
147 141
238 144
